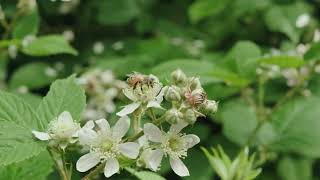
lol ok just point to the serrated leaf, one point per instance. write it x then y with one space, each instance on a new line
283 61
191 67
277 21
297 127
144 175
26 25
17 120
49 45
32 75
35 168
64 95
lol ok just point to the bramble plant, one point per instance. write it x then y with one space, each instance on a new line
149 89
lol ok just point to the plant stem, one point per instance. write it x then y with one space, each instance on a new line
152 115
59 163
94 172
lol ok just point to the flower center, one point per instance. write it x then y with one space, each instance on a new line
174 146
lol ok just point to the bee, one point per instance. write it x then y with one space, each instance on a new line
135 79
149 81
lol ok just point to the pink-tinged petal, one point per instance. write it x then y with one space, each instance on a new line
112 167
178 167
41 135
128 109
121 127
152 132
87 162
130 149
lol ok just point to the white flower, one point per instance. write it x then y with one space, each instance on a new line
150 95
172 144
98 48
68 35
61 131
105 145
303 20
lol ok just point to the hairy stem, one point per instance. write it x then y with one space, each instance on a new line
59 163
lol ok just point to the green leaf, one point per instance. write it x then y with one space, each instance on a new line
49 45
313 53
204 8
32 99
295 168
144 175
297 127
190 66
26 25
239 120
277 21
64 95
32 75
17 120
117 12
35 168
283 61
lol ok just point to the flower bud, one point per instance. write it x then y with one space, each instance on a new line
178 76
172 94
194 83
210 106
190 116
196 97
173 116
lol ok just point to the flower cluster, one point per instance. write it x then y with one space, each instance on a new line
147 144
102 88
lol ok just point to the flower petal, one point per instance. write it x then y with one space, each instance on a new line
152 132
41 135
130 149
103 125
121 127
87 162
89 125
176 128
87 136
178 167
191 140
128 109
154 104
128 92
66 117
154 158
112 167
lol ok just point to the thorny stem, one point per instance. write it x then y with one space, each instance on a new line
59 163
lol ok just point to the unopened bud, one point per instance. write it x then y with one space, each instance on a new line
210 106
173 116
196 97
190 116
172 94
195 83
178 76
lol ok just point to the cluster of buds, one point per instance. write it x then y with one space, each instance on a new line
242 167
294 76
188 99
102 88
145 148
